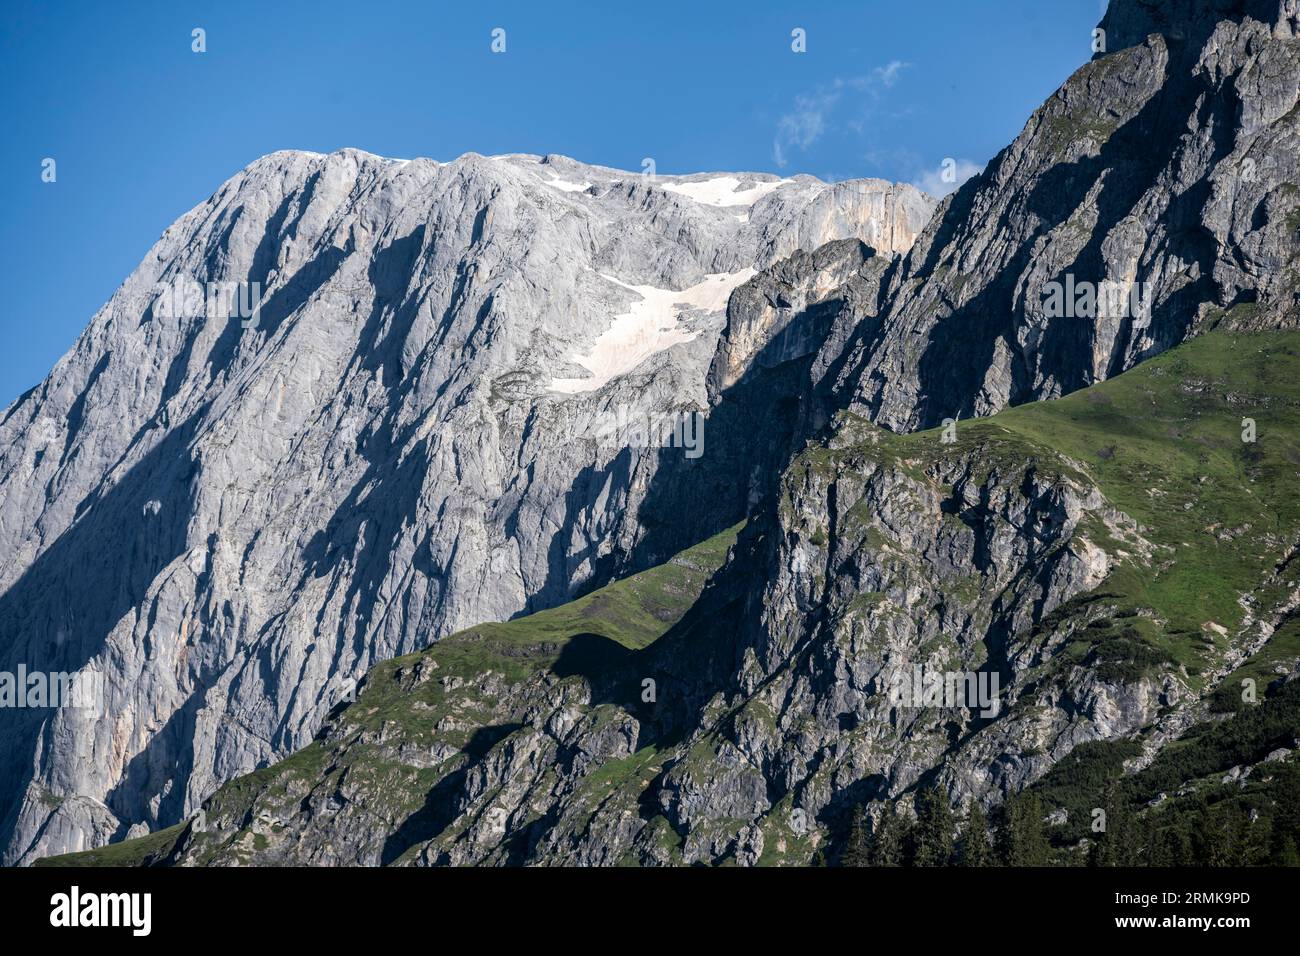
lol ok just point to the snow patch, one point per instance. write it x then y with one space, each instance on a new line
722 191
652 325
565 185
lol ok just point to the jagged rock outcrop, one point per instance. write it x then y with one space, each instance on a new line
785 313
1166 167
422 428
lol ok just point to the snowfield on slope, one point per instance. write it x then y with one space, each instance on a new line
652 325
724 191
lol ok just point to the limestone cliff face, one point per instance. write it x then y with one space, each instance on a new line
421 429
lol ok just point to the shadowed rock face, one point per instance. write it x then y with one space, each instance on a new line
1129 22
233 520
1167 165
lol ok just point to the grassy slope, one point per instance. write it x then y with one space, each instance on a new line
142 851
632 613
1163 442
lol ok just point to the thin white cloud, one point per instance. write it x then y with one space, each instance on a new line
951 175
810 118
888 75
805 125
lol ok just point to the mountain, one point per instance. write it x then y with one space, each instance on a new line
445 409
969 460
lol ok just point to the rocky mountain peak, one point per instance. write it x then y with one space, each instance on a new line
432 395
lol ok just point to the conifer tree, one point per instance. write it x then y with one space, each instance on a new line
935 829
855 850
1178 845
1211 845
1021 838
1120 843
975 850
1250 838
1282 846
1155 851
888 839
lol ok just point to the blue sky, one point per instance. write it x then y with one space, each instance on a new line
142 128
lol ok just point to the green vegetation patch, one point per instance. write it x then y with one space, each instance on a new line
142 851
447 694
1167 444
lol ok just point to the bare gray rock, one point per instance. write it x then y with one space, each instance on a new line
1170 161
